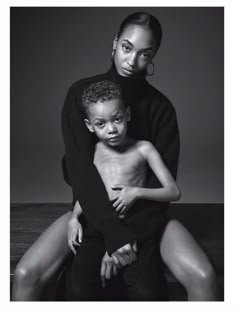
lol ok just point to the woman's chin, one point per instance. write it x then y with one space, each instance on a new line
128 73
134 74
125 72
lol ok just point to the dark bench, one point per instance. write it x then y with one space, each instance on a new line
205 222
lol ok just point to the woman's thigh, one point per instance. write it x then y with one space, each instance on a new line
49 251
182 254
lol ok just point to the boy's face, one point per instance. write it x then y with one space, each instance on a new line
108 120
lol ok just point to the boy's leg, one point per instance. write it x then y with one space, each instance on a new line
144 279
188 263
41 261
83 281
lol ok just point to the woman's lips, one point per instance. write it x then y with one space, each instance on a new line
128 71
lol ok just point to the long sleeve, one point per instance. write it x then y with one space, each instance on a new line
84 178
161 128
164 133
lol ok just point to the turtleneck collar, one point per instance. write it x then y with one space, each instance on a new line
132 87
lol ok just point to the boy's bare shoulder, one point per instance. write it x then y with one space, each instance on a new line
145 147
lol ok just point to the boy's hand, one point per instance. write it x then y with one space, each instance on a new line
126 198
125 255
108 268
74 234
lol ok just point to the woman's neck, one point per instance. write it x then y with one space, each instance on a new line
133 88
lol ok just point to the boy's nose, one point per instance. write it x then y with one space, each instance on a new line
112 128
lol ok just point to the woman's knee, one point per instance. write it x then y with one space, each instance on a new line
205 276
195 276
26 275
199 280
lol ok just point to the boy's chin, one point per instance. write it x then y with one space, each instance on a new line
115 143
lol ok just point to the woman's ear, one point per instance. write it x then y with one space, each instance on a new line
89 126
115 43
128 114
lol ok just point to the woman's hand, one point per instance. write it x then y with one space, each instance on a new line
75 234
125 199
108 268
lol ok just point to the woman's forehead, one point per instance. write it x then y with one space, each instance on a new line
138 35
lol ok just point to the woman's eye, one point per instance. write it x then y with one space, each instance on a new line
145 55
126 48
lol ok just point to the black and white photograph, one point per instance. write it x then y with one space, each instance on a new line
117 154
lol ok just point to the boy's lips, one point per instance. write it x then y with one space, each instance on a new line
113 138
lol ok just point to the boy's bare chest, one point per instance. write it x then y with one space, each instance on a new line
112 162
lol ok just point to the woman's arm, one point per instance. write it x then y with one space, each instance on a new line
75 229
85 180
164 133
77 210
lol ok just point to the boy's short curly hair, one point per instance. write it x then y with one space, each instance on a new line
103 90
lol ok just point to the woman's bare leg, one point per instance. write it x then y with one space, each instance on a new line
188 263
41 261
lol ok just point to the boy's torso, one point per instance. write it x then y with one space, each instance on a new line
147 219
123 165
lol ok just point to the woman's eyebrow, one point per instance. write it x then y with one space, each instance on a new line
147 49
130 43
126 40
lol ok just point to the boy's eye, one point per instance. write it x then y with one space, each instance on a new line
99 124
118 119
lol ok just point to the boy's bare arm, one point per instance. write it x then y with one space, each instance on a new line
169 191
129 195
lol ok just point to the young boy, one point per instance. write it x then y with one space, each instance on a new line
122 164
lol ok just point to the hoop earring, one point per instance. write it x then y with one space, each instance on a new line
153 69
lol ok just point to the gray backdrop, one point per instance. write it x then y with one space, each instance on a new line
51 48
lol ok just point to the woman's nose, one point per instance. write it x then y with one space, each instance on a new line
132 59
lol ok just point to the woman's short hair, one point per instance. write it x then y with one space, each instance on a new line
143 19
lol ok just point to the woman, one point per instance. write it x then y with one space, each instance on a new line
154 119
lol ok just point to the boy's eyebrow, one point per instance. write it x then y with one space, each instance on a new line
115 113
98 118
130 43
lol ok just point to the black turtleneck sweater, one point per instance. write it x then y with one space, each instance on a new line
153 118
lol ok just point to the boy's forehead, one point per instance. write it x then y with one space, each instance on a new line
106 107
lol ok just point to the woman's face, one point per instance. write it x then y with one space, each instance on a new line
133 50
